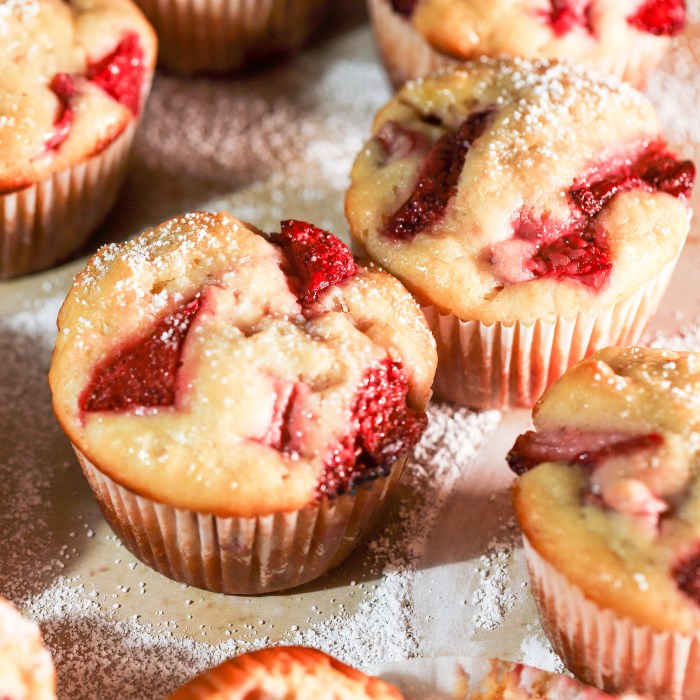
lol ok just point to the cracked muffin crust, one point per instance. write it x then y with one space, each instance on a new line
509 192
624 37
74 75
74 79
289 673
26 669
210 369
608 501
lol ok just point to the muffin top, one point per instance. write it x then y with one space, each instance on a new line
26 669
73 76
610 485
521 682
285 673
540 28
208 367
505 190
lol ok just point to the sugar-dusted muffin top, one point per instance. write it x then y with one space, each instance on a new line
506 190
26 669
579 29
285 673
610 485
520 682
208 367
73 76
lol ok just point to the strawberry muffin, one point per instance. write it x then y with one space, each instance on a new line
74 78
534 210
230 35
26 670
624 37
519 682
609 504
241 405
285 673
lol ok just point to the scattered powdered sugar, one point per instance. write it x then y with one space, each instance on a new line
383 628
687 338
494 597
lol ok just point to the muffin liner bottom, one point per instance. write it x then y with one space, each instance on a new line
241 555
43 224
406 54
227 35
610 652
500 366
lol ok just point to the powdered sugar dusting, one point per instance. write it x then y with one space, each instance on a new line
117 629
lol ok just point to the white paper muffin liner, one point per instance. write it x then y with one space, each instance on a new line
501 366
608 651
42 224
227 35
406 54
241 555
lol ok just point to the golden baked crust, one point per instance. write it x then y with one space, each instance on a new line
508 681
612 499
26 669
285 673
207 451
40 39
469 28
547 126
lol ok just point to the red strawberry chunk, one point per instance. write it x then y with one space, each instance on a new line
144 373
655 170
575 447
577 249
63 85
121 73
438 178
398 141
317 257
573 256
382 428
660 17
687 575
566 15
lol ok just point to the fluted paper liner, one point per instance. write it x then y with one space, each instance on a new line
241 555
608 651
44 223
406 54
501 366
226 35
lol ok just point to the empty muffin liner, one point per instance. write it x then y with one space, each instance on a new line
227 35
241 555
44 223
501 366
406 54
608 651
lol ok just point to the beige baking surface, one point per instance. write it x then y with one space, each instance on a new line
274 146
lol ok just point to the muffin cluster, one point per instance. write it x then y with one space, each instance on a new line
243 402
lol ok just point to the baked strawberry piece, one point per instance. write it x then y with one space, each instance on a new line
86 69
263 376
607 500
520 201
626 39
